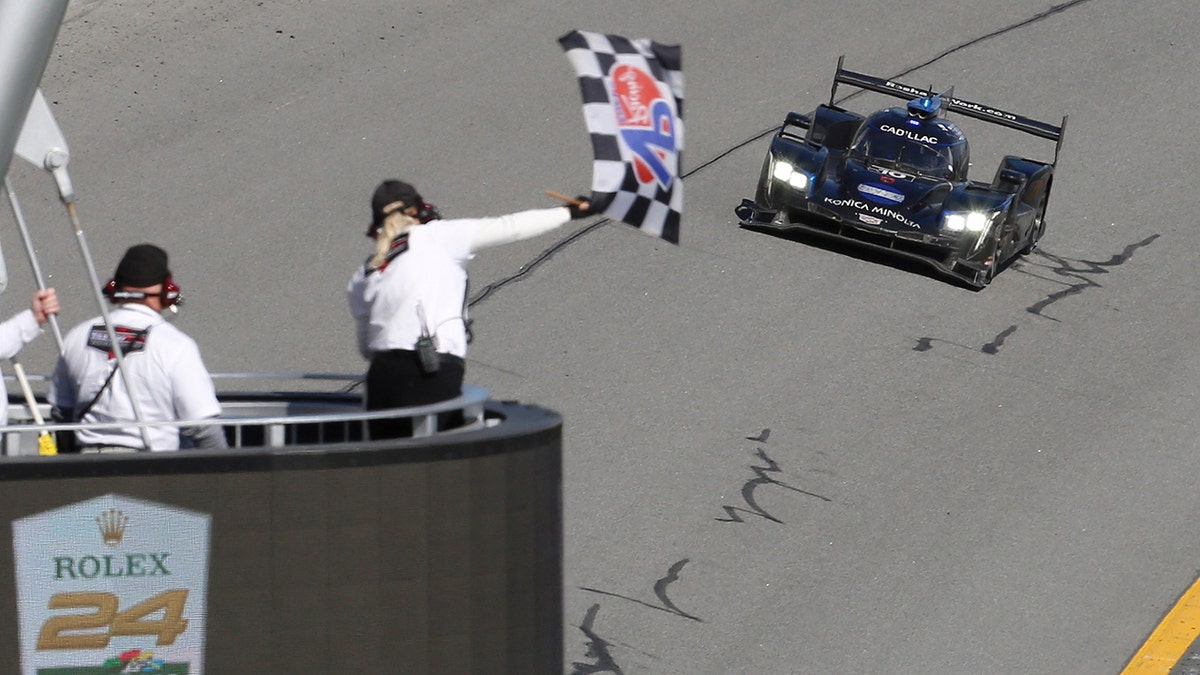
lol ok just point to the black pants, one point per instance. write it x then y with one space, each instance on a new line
395 380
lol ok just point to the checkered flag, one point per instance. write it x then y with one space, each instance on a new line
633 105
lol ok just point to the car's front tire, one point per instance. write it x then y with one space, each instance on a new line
1039 227
983 278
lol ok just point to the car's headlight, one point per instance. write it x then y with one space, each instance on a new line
786 173
973 221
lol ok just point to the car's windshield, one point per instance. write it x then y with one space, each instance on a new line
876 146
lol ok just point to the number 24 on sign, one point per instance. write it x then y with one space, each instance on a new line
95 629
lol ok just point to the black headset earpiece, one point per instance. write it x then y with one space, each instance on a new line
110 290
170 295
427 212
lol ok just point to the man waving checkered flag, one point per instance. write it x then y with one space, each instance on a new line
633 105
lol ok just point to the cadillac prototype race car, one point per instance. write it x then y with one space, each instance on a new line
896 180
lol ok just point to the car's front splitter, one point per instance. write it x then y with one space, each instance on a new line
944 255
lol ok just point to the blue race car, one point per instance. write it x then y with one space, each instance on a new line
896 180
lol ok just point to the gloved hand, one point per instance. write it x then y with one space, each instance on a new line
581 208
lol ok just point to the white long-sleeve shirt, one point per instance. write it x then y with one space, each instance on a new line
432 274
15 333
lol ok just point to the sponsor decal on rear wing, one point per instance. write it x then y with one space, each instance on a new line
958 105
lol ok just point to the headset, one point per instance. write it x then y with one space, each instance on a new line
170 296
426 212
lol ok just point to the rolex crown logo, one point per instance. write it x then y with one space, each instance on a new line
112 526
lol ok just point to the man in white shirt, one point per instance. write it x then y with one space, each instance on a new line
162 364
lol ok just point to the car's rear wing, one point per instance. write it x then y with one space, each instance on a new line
958 105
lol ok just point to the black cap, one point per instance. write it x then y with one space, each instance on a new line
142 266
390 192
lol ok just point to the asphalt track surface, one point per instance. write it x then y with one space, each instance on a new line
781 457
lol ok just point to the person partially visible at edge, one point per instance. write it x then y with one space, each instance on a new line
23 327
408 299
162 364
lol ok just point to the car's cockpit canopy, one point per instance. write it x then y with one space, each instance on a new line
915 141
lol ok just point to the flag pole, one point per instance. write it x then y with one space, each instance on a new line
117 351
563 198
31 252
46 444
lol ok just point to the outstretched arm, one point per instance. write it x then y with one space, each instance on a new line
518 226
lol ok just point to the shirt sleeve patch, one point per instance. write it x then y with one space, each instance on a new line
130 339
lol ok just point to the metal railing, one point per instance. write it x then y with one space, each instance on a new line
305 414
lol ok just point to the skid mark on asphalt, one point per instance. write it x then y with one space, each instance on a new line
1036 18
761 479
1076 276
924 344
1080 273
597 648
660 591
761 437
